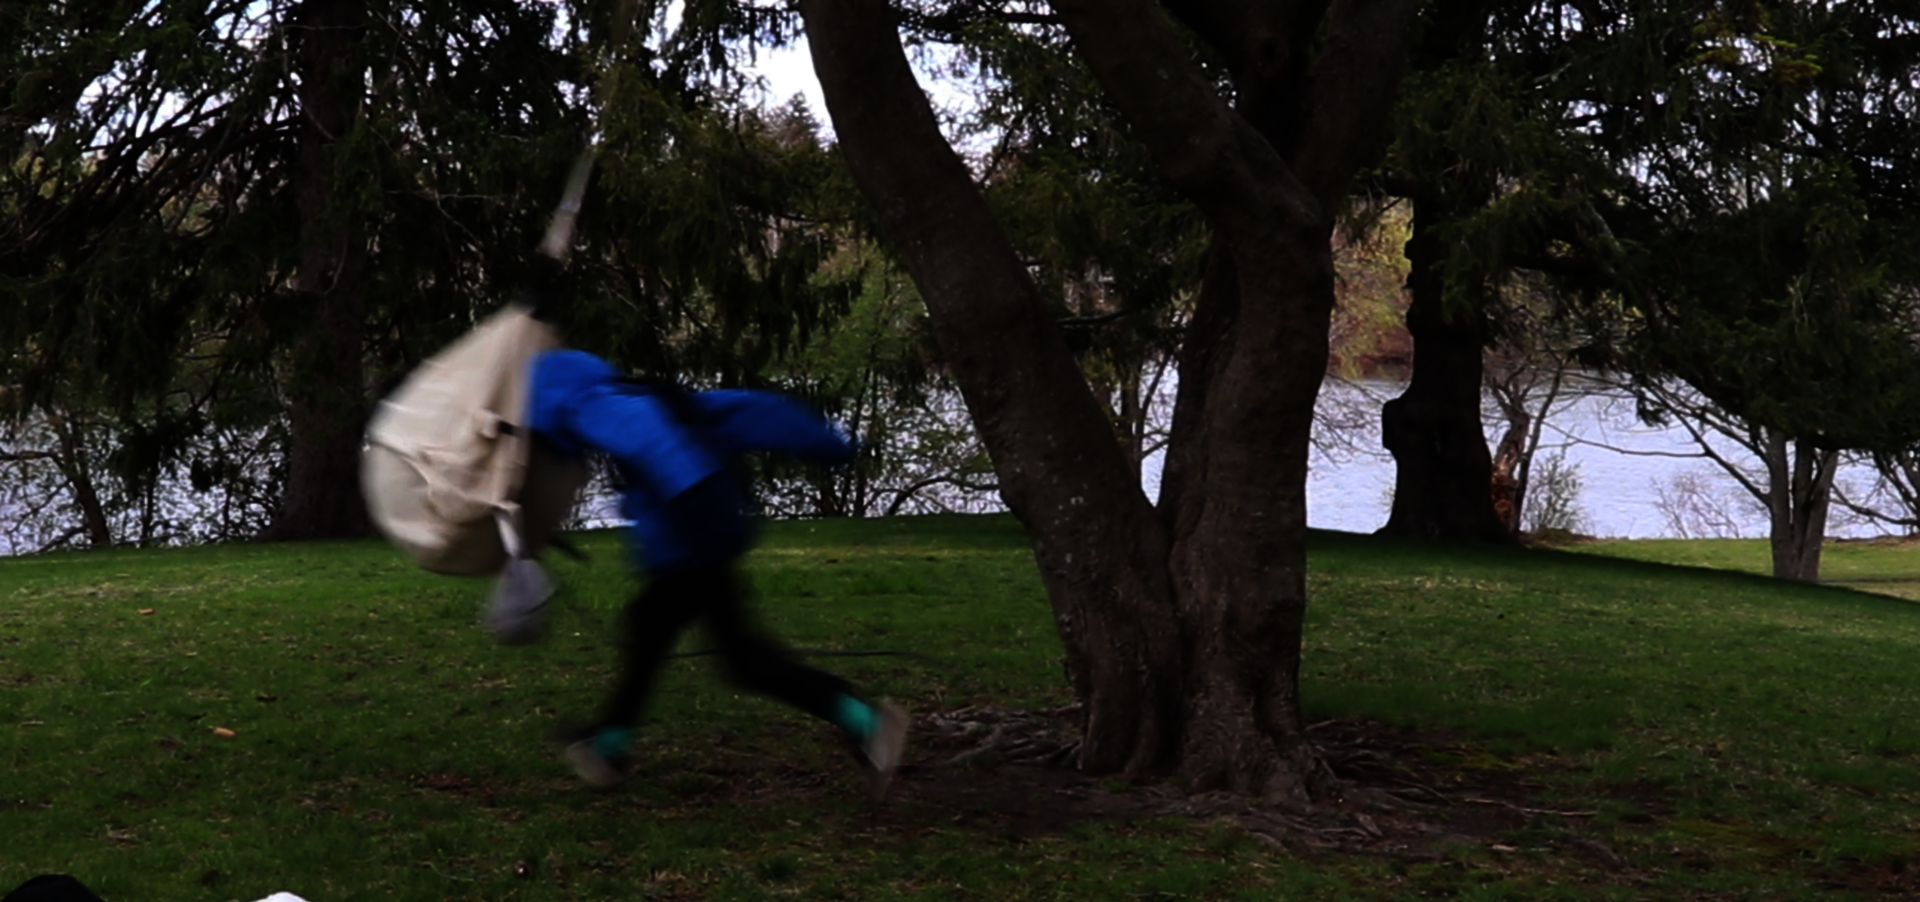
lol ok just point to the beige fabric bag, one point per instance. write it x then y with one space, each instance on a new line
449 470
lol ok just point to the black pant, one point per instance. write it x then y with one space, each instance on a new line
712 593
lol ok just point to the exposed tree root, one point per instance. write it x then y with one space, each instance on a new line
991 735
1392 793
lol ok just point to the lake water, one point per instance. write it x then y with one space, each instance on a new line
1626 469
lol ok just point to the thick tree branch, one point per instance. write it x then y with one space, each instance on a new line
1095 538
1011 357
1351 92
1252 37
1268 47
1219 23
1233 163
1211 154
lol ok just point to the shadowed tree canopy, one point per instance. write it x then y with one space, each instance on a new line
1716 194
237 211
1769 213
1767 210
1721 196
255 214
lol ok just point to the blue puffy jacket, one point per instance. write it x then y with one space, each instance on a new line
682 493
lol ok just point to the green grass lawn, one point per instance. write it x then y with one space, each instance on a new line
1724 735
1889 566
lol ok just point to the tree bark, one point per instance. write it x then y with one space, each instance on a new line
1443 487
327 408
1517 390
1100 550
1800 478
1510 467
1181 626
72 462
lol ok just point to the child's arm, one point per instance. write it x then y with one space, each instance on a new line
744 420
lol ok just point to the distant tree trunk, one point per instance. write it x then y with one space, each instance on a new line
1130 417
1800 483
1510 460
1181 626
1517 389
72 462
1443 471
327 409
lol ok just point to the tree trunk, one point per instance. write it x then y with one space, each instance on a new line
1181 626
1131 410
1800 492
1509 468
327 409
72 461
1530 440
1443 471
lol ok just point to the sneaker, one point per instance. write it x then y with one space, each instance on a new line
576 740
881 752
593 768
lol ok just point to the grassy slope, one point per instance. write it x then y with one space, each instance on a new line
1770 725
1881 566
1732 734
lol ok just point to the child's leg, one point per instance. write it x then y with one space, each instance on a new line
649 625
876 733
762 665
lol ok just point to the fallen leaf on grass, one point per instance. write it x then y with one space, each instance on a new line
224 733
145 611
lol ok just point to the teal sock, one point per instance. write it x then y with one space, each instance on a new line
612 742
853 715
